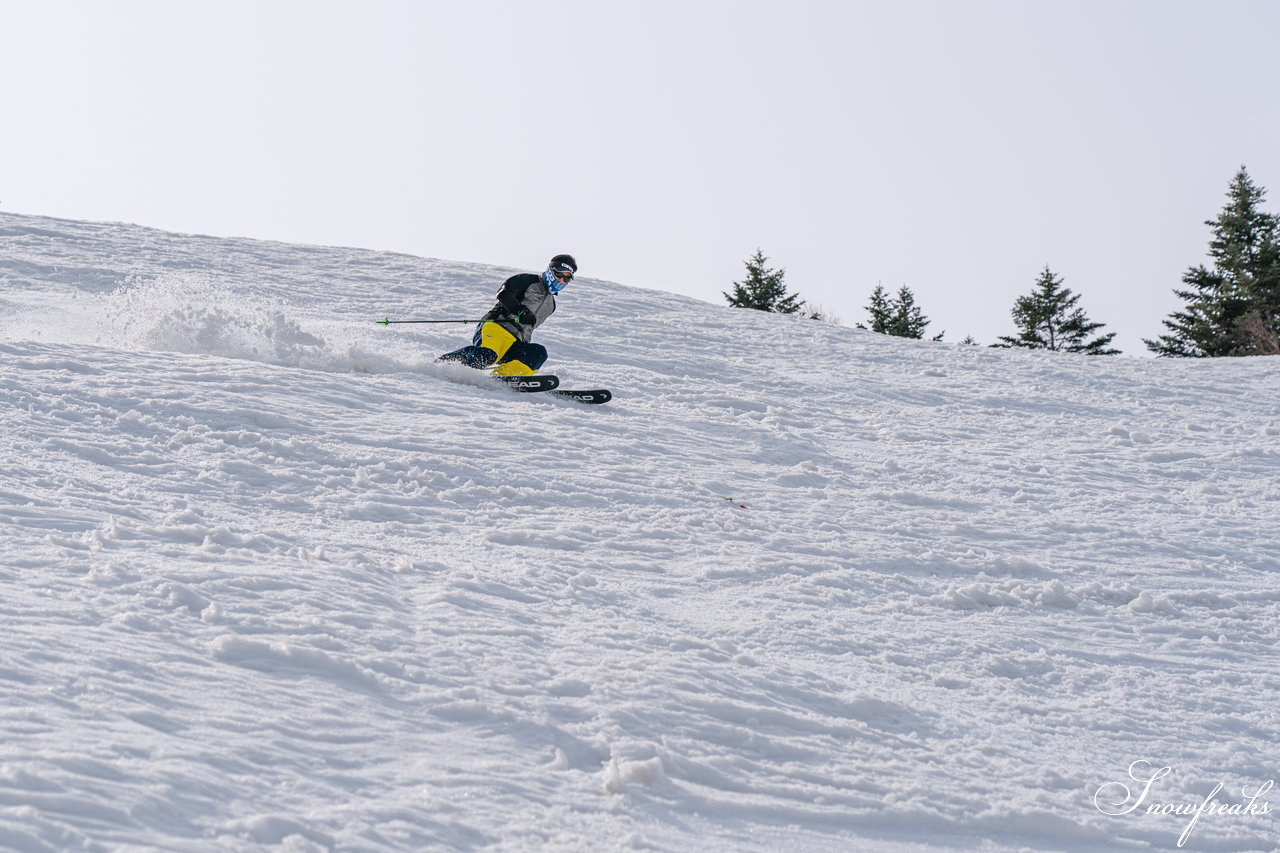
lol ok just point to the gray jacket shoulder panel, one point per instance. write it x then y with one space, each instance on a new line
528 291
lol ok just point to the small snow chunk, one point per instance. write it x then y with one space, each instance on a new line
1148 603
274 829
1055 594
183 596
803 474
1018 565
1171 456
868 708
1013 593
571 687
213 614
619 774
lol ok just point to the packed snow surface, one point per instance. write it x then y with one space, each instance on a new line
274 580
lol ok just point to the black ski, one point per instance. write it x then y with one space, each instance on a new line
551 384
597 396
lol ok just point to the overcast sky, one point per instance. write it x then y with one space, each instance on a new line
954 147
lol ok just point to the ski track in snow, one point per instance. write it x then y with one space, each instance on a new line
274 580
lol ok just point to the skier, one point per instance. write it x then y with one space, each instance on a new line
525 301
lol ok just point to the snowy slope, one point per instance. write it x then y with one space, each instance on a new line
273 580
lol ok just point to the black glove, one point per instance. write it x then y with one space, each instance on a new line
524 317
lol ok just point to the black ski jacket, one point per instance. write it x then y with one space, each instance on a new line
524 296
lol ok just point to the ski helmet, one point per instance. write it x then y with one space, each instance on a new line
559 272
563 264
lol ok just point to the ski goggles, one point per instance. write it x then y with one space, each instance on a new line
564 274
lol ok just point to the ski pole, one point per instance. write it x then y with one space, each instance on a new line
390 322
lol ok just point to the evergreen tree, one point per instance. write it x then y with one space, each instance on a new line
908 320
1049 319
900 316
880 310
764 289
1234 308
